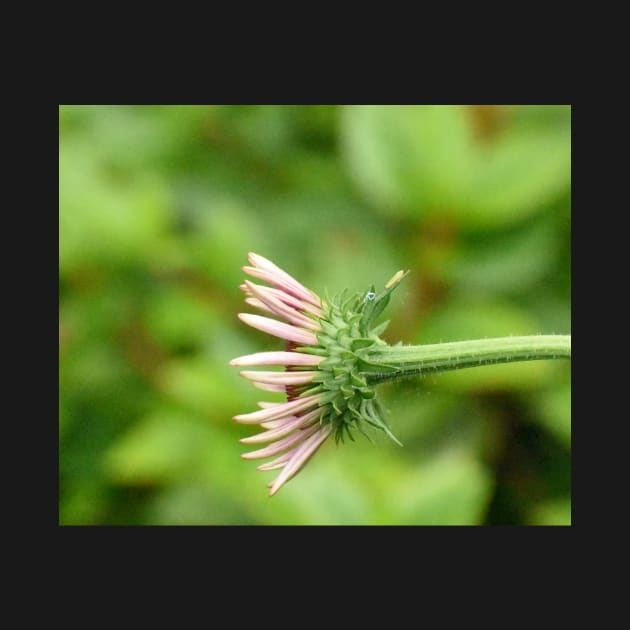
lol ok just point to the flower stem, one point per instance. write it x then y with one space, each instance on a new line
441 357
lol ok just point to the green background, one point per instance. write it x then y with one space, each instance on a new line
158 207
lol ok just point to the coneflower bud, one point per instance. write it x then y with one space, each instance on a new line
326 362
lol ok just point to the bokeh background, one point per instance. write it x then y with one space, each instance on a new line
158 207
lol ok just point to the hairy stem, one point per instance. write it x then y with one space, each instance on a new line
441 357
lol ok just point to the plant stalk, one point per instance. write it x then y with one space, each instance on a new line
442 357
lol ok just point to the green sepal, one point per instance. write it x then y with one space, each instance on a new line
321 352
335 404
352 406
329 362
347 391
349 432
358 381
347 340
364 432
330 329
360 343
311 391
372 308
380 329
374 417
364 365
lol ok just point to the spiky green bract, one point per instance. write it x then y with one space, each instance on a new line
347 336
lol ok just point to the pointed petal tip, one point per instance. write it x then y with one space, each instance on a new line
259 261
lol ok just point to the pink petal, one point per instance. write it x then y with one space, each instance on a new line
269 387
274 424
283 296
278 462
297 290
281 445
287 298
256 303
283 429
299 459
279 329
286 378
262 263
293 423
278 358
278 411
279 308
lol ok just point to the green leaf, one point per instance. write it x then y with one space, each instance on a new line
429 160
103 220
451 489
158 449
503 261
408 159
514 178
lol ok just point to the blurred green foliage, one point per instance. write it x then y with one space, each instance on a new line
158 207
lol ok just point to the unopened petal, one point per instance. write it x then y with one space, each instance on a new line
281 445
276 306
299 459
274 424
289 299
268 405
279 329
256 303
294 288
277 358
286 378
262 263
279 462
279 411
270 387
282 429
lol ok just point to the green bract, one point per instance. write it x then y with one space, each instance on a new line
346 339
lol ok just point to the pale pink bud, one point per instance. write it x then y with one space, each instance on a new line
285 378
279 329
283 428
277 358
301 456
282 445
276 306
278 411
